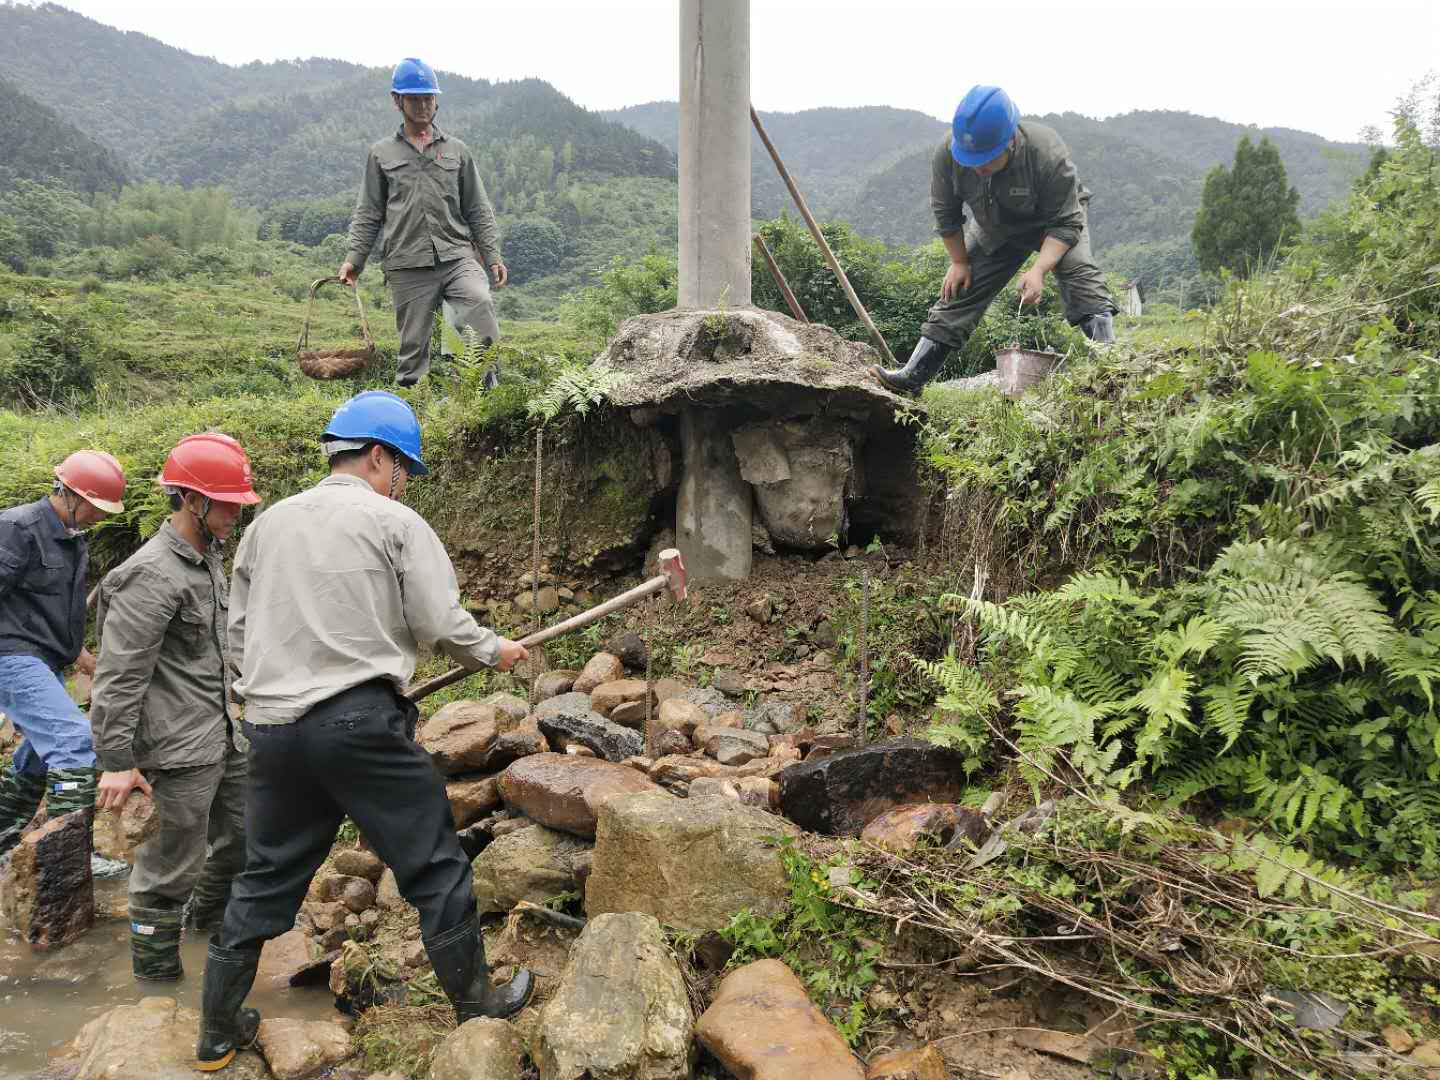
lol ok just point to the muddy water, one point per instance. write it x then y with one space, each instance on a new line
45 998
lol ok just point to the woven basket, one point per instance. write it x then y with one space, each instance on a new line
334 363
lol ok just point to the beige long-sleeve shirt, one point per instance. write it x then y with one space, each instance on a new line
337 586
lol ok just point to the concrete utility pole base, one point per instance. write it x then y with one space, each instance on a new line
714 510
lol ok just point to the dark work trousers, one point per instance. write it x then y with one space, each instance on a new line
1081 283
352 754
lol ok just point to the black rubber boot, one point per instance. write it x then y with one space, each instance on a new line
458 957
226 1027
20 795
925 363
1099 328
155 943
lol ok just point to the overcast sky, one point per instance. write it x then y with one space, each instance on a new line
1323 67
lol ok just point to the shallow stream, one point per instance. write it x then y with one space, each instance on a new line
46 998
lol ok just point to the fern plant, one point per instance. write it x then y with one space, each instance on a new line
581 387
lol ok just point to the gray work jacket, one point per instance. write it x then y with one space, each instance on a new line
431 204
161 677
1037 191
42 585
335 587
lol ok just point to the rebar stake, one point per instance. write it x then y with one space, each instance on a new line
645 639
864 651
535 563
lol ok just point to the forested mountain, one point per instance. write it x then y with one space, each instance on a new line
871 166
41 145
129 91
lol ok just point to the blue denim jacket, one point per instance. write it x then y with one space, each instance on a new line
42 585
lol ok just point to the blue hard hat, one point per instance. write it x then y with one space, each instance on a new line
984 121
380 416
414 76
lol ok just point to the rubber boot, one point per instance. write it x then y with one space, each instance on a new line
458 957
925 363
225 1026
203 914
20 795
155 943
1099 328
68 790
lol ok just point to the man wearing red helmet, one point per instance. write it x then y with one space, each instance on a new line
160 704
43 563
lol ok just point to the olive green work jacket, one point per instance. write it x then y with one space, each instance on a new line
161 674
431 204
1037 191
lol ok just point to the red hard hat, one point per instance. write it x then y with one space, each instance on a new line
96 477
213 464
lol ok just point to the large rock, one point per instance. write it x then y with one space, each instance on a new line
606 697
153 1039
470 800
602 668
297 1049
676 714
479 1049
287 958
357 862
762 1026
621 1011
838 795
735 746
592 731
512 706
463 736
692 863
46 892
534 864
564 792
554 683
900 830
924 1063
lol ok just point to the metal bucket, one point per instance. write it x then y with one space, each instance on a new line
1021 369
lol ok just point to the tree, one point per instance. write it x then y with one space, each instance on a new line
1246 212
534 246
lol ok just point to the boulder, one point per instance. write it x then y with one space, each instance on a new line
591 730
461 738
924 1063
630 714
900 830
47 894
677 714
565 792
479 1049
666 689
358 895
692 863
629 649
672 742
545 600
154 1039
522 740
735 746
533 864
287 958
776 717
387 893
621 1011
841 793
707 786
357 862
297 1049
470 800
761 1025
512 706
708 698
138 820
605 697
554 683
602 668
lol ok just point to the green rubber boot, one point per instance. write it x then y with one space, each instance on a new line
68 790
20 795
155 943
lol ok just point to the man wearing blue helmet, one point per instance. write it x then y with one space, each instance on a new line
332 593
1002 189
423 189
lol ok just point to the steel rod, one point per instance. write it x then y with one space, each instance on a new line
795 308
804 209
